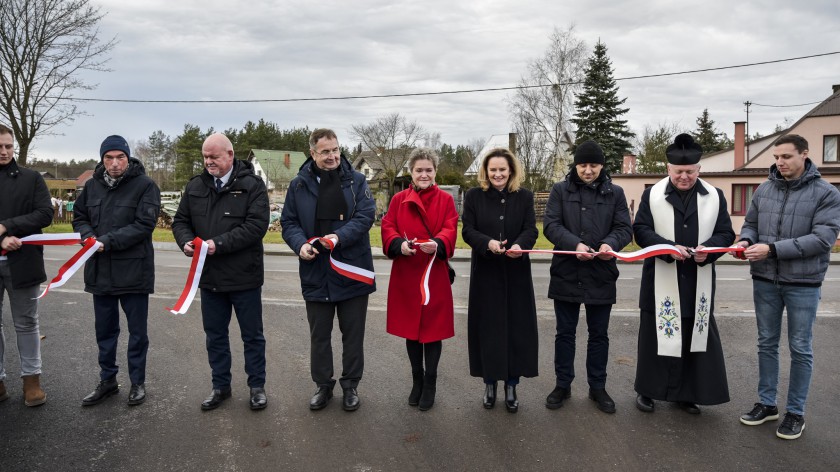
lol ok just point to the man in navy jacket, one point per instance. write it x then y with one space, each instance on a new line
329 199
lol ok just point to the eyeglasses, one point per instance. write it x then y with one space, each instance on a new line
329 152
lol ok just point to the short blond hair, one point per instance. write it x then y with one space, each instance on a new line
516 176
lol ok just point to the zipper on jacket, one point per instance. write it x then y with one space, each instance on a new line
779 230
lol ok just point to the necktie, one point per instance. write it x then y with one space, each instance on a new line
218 185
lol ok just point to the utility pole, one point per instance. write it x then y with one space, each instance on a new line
747 137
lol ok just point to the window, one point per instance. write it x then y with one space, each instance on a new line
830 151
741 198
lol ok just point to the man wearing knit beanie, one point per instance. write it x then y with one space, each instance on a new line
586 213
119 207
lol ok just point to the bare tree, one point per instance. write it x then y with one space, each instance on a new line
651 145
543 106
392 138
44 45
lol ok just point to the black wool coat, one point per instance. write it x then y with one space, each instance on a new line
122 218
697 377
236 219
25 208
592 214
502 315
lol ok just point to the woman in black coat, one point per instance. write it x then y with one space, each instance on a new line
586 212
502 316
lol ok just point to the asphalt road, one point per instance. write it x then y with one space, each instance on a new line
169 432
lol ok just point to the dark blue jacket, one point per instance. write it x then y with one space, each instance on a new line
25 208
122 218
319 282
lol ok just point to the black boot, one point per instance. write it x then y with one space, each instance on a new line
489 395
427 398
416 388
511 403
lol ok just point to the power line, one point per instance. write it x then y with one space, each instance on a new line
787 106
450 92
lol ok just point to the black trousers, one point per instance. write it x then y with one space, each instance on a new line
106 310
597 347
351 322
216 308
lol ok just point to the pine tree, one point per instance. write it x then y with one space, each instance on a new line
598 110
706 135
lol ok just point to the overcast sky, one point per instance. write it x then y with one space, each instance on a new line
234 50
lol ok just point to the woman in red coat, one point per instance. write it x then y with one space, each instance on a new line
419 233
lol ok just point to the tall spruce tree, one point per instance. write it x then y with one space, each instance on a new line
706 135
598 110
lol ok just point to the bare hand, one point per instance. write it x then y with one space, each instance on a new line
757 252
11 243
603 249
332 236
428 248
584 248
211 247
496 247
189 249
307 252
513 252
700 257
683 253
740 255
406 248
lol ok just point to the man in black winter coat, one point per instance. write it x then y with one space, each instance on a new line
227 207
119 207
24 209
586 213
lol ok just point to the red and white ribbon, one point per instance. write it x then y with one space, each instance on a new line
425 293
350 271
196 267
73 265
51 239
650 251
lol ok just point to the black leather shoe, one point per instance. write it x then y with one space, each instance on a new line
427 397
105 389
351 400
511 403
216 397
137 394
602 398
489 395
258 398
556 398
690 408
321 398
644 403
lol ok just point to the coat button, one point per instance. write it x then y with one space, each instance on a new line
685 226
502 217
582 208
503 200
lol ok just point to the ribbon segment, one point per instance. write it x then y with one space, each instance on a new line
50 239
350 271
425 293
70 267
650 251
193 277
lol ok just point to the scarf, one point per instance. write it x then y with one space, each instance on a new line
667 292
331 205
112 182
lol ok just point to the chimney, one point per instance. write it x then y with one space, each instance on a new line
835 88
629 164
740 141
287 160
512 142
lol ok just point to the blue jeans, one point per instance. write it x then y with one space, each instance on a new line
216 308
25 320
801 304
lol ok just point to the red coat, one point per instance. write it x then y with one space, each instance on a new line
407 317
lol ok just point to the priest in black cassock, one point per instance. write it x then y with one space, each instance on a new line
680 355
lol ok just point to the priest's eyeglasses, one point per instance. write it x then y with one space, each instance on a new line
328 152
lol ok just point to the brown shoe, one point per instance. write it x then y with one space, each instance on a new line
32 393
4 395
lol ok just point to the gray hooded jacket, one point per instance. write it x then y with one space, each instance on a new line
801 218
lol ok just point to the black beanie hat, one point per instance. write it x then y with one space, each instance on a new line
684 151
588 152
114 143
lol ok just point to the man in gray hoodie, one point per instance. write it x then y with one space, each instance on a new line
789 230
